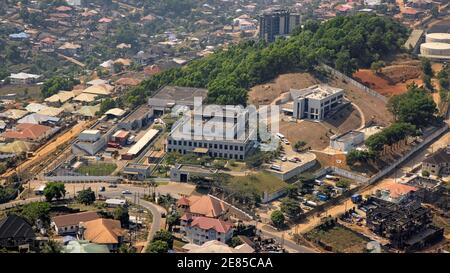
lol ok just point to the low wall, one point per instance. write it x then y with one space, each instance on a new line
80 179
353 82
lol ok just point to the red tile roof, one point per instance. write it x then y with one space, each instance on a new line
206 205
27 131
211 223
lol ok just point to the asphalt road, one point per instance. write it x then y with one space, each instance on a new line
290 246
154 209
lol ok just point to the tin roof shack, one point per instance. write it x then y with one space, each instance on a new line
135 171
407 225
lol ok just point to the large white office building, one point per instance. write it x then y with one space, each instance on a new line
316 102
225 134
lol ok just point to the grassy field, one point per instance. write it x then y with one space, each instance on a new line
261 182
97 169
340 239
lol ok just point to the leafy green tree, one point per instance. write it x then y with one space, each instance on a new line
52 246
107 104
291 208
277 218
121 214
158 246
425 173
377 66
343 183
165 236
173 219
56 84
426 67
54 190
235 241
299 145
86 196
415 107
36 210
356 156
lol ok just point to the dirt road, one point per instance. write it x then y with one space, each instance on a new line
49 148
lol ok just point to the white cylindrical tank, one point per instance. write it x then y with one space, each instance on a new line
438 38
436 49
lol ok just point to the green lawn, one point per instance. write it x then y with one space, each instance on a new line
97 169
340 239
260 182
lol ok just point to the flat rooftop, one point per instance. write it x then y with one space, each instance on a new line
318 92
177 95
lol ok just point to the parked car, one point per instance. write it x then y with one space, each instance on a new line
126 192
102 189
112 186
284 159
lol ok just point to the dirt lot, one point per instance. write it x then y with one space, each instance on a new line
373 108
268 92
316 135
383 85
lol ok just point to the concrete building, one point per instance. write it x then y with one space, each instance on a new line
24 78
170 96
438 163
277 22
90 142
136 119
69 224
199 230
183 173
316 102
347 141
135 171
408 225
232 137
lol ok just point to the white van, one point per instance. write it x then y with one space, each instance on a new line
276 167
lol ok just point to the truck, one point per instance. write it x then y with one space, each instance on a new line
356 198
311 204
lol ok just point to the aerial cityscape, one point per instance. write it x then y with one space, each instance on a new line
220 126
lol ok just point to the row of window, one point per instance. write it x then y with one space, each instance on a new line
206 145
211 154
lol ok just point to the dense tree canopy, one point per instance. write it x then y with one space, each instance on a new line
56 84
415 106
343 42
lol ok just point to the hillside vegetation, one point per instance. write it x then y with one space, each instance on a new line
345 43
